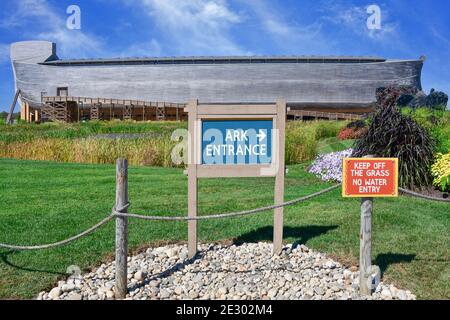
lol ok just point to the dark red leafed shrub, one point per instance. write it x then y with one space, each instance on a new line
388 96
351 133
345 133
360 132
392 134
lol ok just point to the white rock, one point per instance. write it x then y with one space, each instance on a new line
140 275
110 294
301 274
178 290
171 252
67 287
347 274
319 291
386 293
222 290
74 296
272 293
55 293
401 295
164 294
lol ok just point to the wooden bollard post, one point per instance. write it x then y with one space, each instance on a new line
279 179
121 228
193 161
365 244
365 249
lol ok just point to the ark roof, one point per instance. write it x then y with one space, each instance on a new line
218 60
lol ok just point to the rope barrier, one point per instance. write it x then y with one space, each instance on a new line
225 215
419 195
117 213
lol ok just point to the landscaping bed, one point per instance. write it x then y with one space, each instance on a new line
227 272
44 202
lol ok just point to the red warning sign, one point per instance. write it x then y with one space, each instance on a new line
370 177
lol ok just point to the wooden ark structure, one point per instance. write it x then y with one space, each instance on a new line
70 90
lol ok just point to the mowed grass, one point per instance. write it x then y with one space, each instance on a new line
43 202
333 144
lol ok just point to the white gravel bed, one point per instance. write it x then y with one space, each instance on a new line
247 271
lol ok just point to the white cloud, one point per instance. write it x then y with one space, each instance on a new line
73 43
143 49
355 18
292 36
439 36
195 27
48 24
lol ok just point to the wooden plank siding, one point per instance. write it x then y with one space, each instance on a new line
324 84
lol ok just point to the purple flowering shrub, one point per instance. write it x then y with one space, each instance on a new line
328 166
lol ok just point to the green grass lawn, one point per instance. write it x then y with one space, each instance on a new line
333 144
43 202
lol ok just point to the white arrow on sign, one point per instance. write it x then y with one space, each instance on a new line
261 135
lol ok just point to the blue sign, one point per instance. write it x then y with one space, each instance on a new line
237 141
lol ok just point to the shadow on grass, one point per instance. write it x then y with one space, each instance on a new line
383 260
301 234
4 257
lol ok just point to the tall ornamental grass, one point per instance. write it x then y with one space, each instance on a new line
31 131
149 152
392 134
77 142
302 138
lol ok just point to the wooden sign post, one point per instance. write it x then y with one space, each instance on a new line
121 288
235 141
366 178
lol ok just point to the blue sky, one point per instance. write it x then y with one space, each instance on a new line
119 28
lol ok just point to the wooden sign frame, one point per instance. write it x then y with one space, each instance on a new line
195 169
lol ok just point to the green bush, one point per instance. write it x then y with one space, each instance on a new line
327 129
441 171
393 134
436 122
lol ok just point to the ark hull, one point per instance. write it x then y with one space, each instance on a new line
333 84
